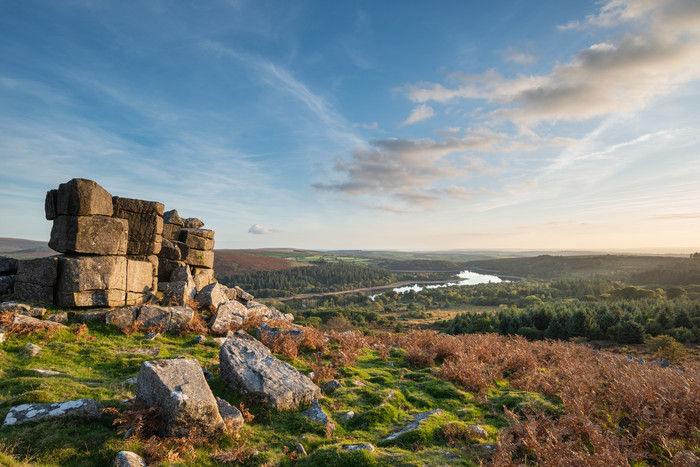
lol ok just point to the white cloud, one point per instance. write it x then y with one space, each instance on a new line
257 229
511 54
618 75
422 112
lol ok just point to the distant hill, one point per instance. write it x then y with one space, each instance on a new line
24 249
233 262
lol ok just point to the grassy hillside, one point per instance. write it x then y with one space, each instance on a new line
544 402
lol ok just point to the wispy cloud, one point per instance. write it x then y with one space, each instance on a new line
422 112
406 169
366 126
618 75
511 54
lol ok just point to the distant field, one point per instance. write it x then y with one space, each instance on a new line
307 256
232 262
24 249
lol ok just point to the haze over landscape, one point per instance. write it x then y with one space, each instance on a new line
373 125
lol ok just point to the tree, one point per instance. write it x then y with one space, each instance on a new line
630 332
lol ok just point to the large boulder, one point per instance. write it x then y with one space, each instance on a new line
227 315
81 197
199 239
36 279
94 235
145 219
249 367
167 318
91 281
178 387
205 276
211 295
83 408
128 459
172 217
200 258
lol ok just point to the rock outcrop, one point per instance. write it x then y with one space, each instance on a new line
248 366
178 387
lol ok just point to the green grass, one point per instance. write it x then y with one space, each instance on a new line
388 395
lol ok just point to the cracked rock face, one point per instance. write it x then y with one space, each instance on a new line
248 366
178 387
84 408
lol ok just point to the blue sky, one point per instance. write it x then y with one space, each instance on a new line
392 124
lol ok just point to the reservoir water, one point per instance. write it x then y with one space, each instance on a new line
466 278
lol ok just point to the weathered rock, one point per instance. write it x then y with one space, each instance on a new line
172 217
248 366
478 430
359 447
265 331
98 235
171 231
231 294
205 276
227 314
51 204
199 239
60 317
36 323
81 197
98 315
316 413
166 267
211 295
128 459
332 385
662 362
2 335
145 219
8 266
300 449
33 292
83 408
91 281
450 455
169 319
178 293
242 295
200 258
7 284
36 279
349 415
178 387
418 420
122 317
169 250
33 349
15 307
230 414
139 276
193 223
43 372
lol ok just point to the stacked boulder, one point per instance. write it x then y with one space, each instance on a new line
186 259
111 250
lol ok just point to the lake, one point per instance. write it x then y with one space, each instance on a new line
467 278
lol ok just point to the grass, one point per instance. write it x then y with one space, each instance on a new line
513 389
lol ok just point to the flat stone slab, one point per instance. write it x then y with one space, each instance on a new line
178 387
359 447
128 459
316 413
83 408
81 197
418 419
37 323
246 365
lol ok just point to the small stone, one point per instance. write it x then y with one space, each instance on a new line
128 459
2 335
172 217
199 339
60 317
132 380
300 449
332 385
46 372
14 307
450 455
316 413
663 363
357 382
418 420
359 447
36 323
84 408
193 223
478 430
152 335
34 349
349 415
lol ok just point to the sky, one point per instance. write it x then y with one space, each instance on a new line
412 125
